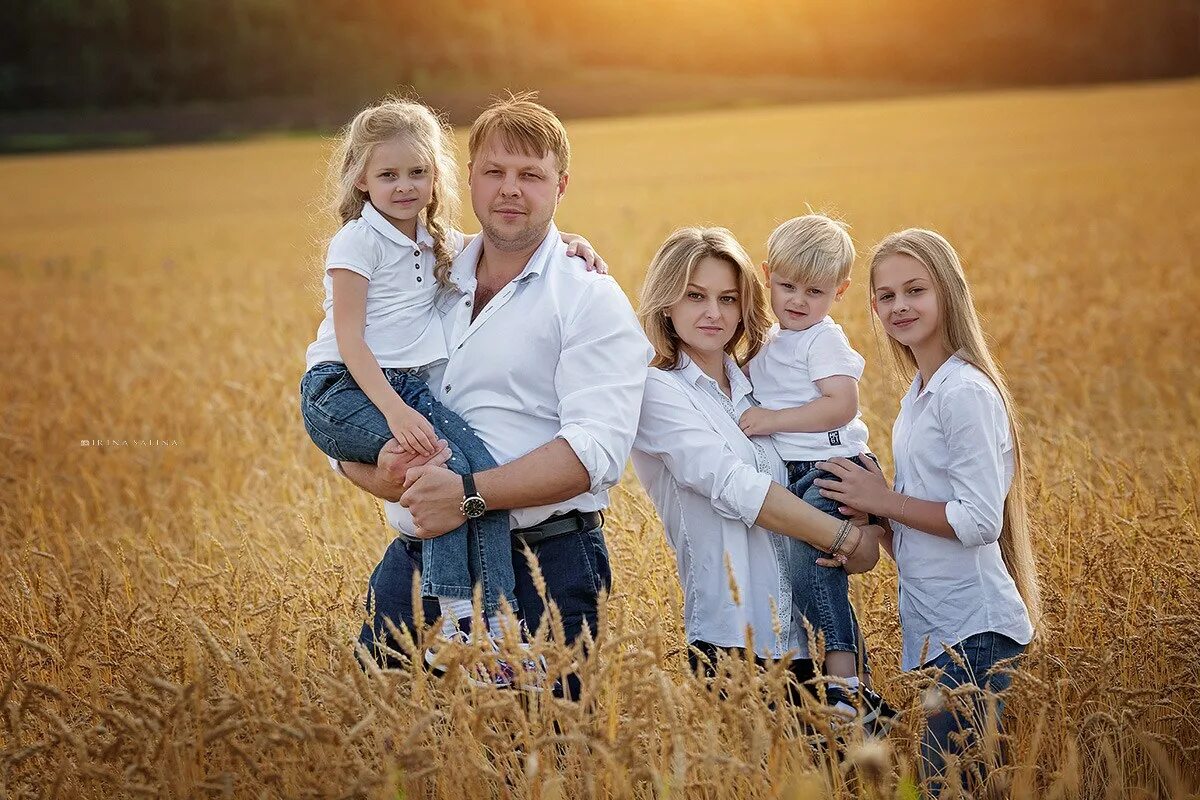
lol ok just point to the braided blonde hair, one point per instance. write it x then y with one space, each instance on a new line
426 132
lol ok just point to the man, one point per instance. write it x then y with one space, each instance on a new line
547 363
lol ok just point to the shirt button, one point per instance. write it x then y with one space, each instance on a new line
468 304
447 390
418 279
416 253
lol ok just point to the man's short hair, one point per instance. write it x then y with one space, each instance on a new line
523 126
811 249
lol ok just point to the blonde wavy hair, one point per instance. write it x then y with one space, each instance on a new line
963 335
430 136
667 279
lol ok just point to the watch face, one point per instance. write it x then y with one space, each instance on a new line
473 507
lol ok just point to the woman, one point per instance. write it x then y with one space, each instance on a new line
719 494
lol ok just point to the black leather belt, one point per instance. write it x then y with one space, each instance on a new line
558 525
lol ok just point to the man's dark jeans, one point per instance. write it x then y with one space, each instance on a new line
575 567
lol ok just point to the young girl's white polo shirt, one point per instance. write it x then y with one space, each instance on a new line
403 329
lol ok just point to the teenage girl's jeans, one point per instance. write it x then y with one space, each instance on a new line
821 594
979 655
347 426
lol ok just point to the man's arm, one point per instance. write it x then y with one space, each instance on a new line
385 480
550 474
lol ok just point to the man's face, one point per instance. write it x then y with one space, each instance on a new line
514 195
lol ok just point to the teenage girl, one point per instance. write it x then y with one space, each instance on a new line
959 533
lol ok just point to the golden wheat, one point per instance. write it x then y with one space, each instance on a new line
182 577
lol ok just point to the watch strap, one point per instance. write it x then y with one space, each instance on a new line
469 486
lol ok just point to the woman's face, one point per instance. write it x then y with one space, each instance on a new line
905 301
708 314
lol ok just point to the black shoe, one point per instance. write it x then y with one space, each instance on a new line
876 716
861 706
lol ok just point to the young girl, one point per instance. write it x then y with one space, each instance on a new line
394 181
960 537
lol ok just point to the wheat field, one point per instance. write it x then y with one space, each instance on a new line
181 575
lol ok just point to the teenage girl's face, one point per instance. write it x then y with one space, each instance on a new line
905 301
708 314
399 183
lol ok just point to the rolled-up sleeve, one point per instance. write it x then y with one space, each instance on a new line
599 380
698 457
980 463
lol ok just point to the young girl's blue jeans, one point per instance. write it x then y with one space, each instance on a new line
952 728
347 426
821 594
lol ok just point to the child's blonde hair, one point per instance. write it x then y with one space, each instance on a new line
813 249
963 335
432 138
667 279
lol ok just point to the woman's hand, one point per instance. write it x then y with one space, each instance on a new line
859 487
579 246
864 556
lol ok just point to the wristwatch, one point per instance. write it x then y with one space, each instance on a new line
473 506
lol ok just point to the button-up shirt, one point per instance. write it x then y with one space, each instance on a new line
952 443
400 325
708 482
557 353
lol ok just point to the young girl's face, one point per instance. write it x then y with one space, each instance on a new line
905 301
399 183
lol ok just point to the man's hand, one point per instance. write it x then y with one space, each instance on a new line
433 495
758 421
395 461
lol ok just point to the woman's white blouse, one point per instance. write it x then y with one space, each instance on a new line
708 482
952 443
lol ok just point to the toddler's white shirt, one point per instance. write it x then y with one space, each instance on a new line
784 374
403 329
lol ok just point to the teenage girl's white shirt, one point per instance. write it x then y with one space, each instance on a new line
403 329
708 482
952 443
784 374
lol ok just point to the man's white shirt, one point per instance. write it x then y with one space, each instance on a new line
557 353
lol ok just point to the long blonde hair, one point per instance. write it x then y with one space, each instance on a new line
963 335
432 138
667 279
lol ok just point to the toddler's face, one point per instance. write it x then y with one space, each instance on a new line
799 305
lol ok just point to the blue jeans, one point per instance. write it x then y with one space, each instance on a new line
347 426
575 567
821 594
979 654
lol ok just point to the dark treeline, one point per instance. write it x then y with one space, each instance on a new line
63 54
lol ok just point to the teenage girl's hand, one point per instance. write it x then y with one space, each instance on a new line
413 432
859 487
579 246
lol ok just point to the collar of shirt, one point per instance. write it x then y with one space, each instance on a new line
948 368
380 224
739 384
462 271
